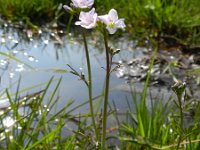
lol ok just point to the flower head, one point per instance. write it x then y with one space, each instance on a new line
82 3
87 19
112 22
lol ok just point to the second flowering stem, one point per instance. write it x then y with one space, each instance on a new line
106 91
90 87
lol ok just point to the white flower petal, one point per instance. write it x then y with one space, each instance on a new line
87 19
92 11
120 23
90 3
75 3
89 26
113 15
82 15
111 30
104 19
82 3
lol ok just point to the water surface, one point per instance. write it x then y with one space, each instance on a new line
47 52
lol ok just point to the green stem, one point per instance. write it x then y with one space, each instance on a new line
90 86
181 118
108 67
181 111
69 23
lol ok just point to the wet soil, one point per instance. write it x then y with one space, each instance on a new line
174 62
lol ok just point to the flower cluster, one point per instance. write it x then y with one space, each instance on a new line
89 19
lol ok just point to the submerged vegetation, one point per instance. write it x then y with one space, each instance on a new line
33 121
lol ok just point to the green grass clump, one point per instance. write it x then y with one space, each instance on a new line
28 123
33 121
164 124
157 17
36 11
143 18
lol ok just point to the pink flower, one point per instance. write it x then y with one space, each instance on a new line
82 3
87 19
112 22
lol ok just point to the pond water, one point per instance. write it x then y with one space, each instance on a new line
40 57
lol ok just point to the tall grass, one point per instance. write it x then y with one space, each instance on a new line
162 125
157 17
31 12
28 123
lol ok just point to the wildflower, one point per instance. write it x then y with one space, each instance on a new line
87 19
112 22
82 3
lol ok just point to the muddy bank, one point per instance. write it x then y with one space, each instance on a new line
174 62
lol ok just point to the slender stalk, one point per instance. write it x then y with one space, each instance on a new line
69 23
181 119
179 89
90 86
108 67
181 111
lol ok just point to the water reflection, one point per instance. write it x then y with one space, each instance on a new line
32 59
8 122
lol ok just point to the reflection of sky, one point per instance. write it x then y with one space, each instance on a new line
44 55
